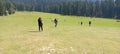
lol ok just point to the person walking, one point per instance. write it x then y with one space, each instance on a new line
81 23
56 22
89 23
40 24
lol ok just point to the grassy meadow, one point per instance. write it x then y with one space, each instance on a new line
19 34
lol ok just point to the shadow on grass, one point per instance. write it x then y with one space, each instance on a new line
35 31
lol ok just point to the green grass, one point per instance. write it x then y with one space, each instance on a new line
19 35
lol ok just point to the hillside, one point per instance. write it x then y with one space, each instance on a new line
19 35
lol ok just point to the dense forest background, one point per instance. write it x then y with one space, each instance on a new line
91 8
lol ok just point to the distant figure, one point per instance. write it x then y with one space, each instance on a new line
56 22
81 23
89 23
40 24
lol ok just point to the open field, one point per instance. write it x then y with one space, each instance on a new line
19 35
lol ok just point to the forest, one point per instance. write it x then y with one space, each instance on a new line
90 8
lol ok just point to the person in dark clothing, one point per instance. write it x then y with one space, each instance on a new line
89 23
40 24
56 22
81 22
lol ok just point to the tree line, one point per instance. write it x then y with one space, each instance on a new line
103 8
97 8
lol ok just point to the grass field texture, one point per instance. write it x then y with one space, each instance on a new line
19 34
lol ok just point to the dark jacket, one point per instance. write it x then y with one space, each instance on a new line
40 22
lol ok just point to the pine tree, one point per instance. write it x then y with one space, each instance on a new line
2 8
117 2
9 7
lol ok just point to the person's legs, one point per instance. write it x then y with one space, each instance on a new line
89 25
41 27
55 24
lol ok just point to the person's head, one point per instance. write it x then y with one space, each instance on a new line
39 18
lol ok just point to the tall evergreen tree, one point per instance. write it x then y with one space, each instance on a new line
117 2
2 8
10 7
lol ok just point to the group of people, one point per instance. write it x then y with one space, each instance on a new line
40 24
89 23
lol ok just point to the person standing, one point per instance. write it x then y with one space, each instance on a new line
81 23
40 24
56 22
89 23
